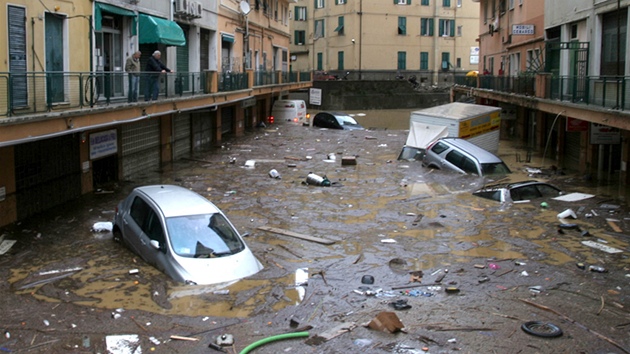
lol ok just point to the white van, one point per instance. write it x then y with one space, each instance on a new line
290 110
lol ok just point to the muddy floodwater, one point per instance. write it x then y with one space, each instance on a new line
460 273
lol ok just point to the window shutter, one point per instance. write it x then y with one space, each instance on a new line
423 26
336 2
441 31
431 25
452 28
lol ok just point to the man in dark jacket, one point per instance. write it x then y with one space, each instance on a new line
154 68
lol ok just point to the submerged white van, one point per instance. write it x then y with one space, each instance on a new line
290 110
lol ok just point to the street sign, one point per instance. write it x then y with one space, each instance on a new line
315 96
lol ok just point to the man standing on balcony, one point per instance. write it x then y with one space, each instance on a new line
132 67
155 69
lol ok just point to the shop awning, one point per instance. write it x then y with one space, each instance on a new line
99 8
159 30
227 37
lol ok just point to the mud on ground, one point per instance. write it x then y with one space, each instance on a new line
415 231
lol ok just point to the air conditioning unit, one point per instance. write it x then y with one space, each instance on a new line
199 9
181 7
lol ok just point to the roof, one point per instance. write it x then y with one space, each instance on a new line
457 110
178 201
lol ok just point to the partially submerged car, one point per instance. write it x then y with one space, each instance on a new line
184 235
462 156
335 120
518 191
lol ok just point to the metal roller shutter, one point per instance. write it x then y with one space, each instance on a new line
181 144
572 150
203 131
140 147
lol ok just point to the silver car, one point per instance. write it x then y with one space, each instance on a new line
184 235
518 191
460 155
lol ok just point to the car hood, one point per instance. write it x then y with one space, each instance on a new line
205 271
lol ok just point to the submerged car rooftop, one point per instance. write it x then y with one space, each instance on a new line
482 155
177 201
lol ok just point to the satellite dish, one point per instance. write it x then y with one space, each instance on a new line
244 5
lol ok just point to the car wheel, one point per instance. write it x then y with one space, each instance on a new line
117 236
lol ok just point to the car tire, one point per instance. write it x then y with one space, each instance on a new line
118 237
541 329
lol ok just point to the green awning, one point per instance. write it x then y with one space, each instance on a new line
99 8
159 30
227 37
339 28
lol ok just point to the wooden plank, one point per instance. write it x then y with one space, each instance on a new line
613 225
296 235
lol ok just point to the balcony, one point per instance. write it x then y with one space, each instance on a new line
609 92
30 93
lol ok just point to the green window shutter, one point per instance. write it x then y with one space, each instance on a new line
408 2
341 21
336 2
423 26
425 3
424 61
402 60
441 31
395 2
320 61
452 28
340 61
446 3
445 60
431 26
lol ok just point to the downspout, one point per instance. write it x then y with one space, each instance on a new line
437 58
360 37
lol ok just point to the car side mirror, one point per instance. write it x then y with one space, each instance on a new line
156 244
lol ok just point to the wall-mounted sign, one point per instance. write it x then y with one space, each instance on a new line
250 102
602 134
103 144
315 96
522 29
576 125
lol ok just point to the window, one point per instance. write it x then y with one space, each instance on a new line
424 3
534 60
446 3
402 26
426 27
459 31
319 29
447 28
459 3
402 60
320 61
459 62
340 2
402 2
319 4
339 28
424 60
511 4
520 2
610 52
299 38
574 31
300 13
502 6
446 61
339 60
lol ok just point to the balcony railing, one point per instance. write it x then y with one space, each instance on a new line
40 92
602 91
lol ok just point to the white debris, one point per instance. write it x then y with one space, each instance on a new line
103 226
123 344
388 240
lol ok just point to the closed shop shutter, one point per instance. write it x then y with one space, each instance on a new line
181 145
203 130
227 120
572 150
47 174
140 147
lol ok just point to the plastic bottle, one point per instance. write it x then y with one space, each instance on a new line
597 269
317 180
274 174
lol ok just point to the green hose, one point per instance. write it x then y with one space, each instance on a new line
273 339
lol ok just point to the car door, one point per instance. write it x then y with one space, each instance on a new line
142 226
453 161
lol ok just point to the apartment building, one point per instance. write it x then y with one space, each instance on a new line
67 126
570 104
360 36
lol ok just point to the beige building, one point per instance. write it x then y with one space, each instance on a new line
395 35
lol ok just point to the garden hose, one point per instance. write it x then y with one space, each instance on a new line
256 344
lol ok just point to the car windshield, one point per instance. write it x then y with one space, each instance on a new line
499 168
203 236
346 120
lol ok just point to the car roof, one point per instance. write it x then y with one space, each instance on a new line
335 113
514 185
177 201
483 156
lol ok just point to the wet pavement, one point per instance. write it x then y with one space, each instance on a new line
417 232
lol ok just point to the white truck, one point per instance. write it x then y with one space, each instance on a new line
476 123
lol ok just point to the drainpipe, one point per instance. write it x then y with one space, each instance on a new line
360 37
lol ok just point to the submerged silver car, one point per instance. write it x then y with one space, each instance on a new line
184 235
460 155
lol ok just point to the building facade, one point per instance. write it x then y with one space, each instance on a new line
359 36
67 125
571 105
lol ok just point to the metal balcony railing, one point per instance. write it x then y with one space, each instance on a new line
602 91
40 92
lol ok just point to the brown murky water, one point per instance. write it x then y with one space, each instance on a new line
434 221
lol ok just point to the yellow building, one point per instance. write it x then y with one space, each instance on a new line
362 36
